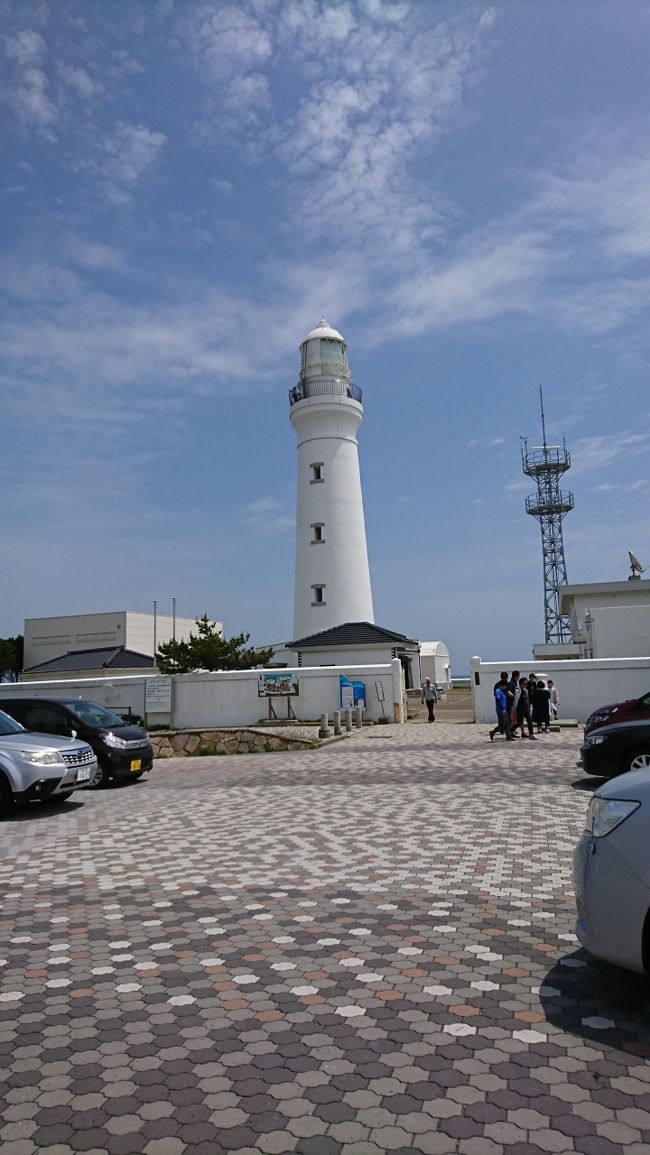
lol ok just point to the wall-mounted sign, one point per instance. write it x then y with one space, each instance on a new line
278 685
352 693
158 695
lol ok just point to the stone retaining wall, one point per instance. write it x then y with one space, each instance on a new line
181 743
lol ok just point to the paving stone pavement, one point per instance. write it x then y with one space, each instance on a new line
361 949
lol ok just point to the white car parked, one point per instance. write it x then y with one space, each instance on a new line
40 766
611 872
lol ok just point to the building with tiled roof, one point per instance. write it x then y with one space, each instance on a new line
89 663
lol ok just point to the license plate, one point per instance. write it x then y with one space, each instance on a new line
83 774
136 765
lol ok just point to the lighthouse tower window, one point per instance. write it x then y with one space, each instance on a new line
317 531
318 592
316 472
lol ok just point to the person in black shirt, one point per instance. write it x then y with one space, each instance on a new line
524 710
542 708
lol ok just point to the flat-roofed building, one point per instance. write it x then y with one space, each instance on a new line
47 638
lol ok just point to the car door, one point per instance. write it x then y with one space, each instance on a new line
46 718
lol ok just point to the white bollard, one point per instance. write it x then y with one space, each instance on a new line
358 710
336 718
348 719
324 731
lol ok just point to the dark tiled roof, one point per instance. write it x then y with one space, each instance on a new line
351 634
111 658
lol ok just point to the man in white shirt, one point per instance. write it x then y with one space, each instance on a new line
430 696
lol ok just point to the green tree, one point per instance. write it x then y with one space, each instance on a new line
208 650
11 658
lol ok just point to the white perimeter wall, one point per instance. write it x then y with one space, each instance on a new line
583 686
229 698
121 694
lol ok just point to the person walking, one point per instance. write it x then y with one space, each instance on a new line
555 697
524 715
501 703
513 700
430 696
542 708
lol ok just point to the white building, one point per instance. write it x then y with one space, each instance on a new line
332 575
47 638
609 619
435 663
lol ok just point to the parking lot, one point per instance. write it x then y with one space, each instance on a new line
358 949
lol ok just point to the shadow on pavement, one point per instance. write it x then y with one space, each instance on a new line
600 1003
588 784
30 811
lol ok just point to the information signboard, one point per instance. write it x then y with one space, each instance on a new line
352 693
281 685
158 695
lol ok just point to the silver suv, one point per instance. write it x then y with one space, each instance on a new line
40 766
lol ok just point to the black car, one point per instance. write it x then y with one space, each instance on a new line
616 748
123 750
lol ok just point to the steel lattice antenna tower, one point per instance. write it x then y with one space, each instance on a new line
547 463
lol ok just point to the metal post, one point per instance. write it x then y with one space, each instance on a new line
155 637
173 619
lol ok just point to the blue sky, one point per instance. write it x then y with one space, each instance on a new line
462 190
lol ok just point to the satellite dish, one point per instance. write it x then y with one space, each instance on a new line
635 563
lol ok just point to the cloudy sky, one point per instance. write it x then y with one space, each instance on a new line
461 188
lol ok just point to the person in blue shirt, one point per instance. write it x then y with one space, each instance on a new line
501 702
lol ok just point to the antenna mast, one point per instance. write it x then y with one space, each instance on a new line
546 464
541 405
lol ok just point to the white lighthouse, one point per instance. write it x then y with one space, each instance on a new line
332 578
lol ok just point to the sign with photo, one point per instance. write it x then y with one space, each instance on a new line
352 693
278 685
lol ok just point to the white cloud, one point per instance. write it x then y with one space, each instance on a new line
377 102
232 45
95 256
589 454
27 90
605 185
76 78
129 155
521 485
268 515
489 278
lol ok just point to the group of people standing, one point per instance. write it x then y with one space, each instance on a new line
524 702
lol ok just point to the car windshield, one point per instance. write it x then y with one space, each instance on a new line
8 726
94 715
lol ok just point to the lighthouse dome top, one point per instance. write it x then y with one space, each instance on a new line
323 329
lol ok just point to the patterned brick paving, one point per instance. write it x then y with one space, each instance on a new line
360 949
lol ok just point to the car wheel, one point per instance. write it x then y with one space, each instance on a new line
6 797
637 760
100 777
